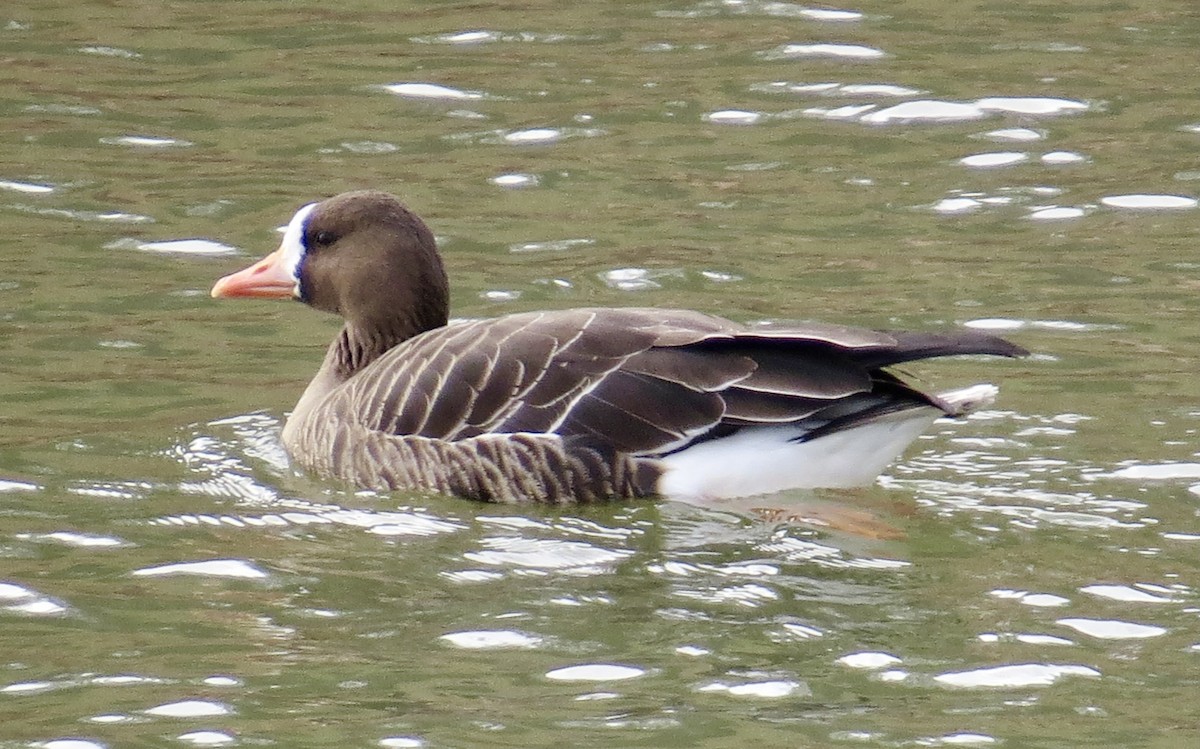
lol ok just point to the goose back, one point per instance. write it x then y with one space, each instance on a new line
581 404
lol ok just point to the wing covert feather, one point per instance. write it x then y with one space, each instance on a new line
632 380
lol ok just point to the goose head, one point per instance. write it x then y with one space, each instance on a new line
361 255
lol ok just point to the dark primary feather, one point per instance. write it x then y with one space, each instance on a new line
640 381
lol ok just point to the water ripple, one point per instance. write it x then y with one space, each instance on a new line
771 8
868 660
516 180
1141 202
32 188
110 52
18 599
504 639
485 36
227 568
836 89
940 111
1127 594
1112 629
537 136
207 738
734 117
994 159
769 689
595 672
111 217
823 49
145 141
431 91
545 554
1013 676
190 709
195 247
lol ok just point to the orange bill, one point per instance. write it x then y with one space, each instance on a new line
269 278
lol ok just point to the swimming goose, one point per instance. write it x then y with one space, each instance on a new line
580 404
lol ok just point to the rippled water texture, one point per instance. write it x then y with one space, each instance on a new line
1023 578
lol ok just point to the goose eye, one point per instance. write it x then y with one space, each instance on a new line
324 238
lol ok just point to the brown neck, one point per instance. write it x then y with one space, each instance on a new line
356 346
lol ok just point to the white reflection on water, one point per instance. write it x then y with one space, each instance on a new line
1056 213
1031 599
638 279
1024 638
503 639
792 549
1150 202
534 136
994 159
120 680
734 117
69 744
553 245
18 599
1112 629
25 187
1006 323
230 568
110 52
72 538
145 141
1015 134
925 110
546 554
68 109
112 217
1017 479
32 687
500 295
770 689
1013 676
1063 158
595 672
1129 594
206 738
942 111
112 489
836 89
401 742
868 660
381 523
197 247
1154 472
8 485
795 631
486 36
367 147
964 739
956 205
772 8
190 709
750 595
823 49
515 180
432 91
538 136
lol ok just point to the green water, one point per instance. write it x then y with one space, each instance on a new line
1024 578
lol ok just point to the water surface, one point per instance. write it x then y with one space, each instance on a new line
1025 577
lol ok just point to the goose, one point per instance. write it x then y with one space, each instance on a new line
577 405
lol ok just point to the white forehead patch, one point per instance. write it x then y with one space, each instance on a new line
293 241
